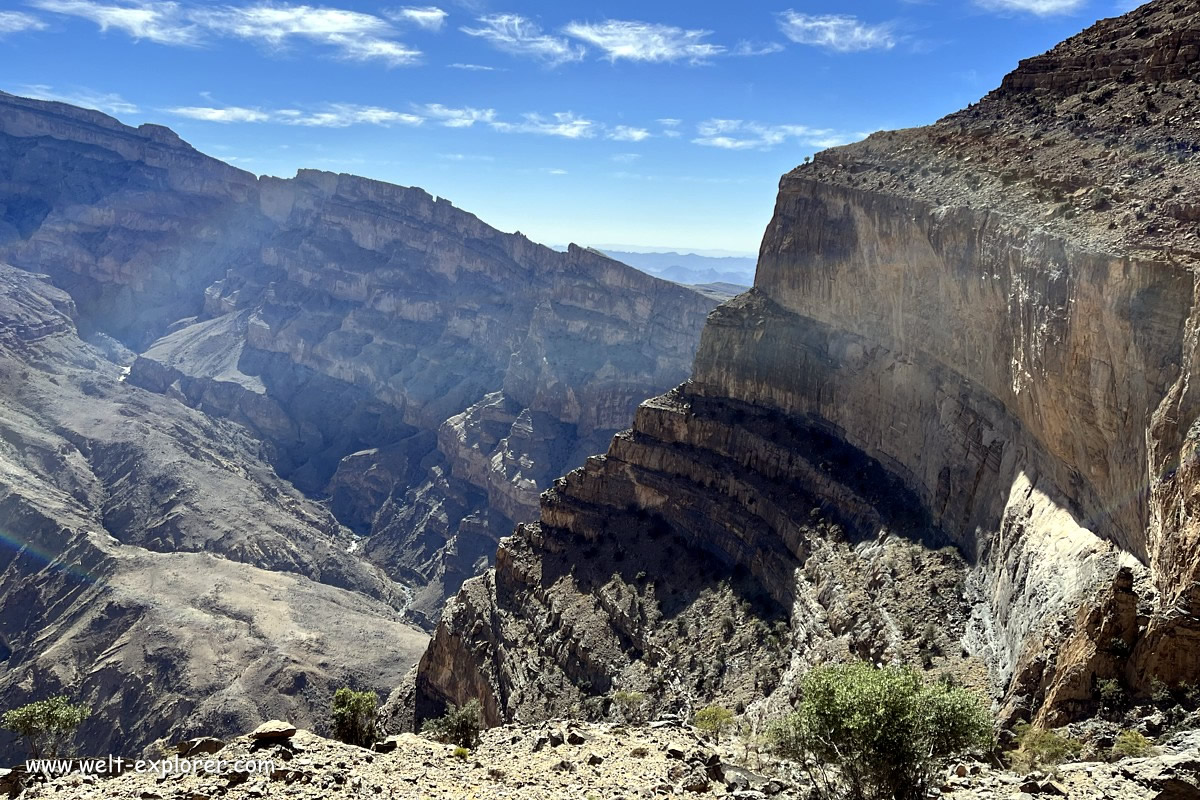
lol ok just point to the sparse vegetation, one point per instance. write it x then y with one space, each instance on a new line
1041 749
1131 744
713 720
883 731
459 726
1112 695
48 726
1160 692
631 706
354 716
462 753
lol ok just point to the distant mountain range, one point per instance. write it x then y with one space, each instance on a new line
691 268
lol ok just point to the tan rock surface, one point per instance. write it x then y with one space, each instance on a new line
155 567
948 341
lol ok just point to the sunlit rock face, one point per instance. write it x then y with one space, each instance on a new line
979 333
429 373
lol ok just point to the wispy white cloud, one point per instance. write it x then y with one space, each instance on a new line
554 171
645 41
458 117
626 133
430 18
841 32
520 36
353 35
1039 7
163 22
626 158
228 114
757 48
466 157
736 134
335 115
17 21
343 115
474 67
564 123
671 127
107 102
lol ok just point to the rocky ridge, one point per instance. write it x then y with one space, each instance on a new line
944 348
122 570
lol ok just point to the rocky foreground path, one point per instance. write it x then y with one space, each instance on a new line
585 761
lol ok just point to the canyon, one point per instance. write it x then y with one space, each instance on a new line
951 424
261 429
263 400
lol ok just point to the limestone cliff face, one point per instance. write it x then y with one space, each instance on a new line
979 333
429 373
129 220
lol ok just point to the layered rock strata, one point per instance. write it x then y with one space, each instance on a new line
979 333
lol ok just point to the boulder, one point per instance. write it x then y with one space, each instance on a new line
200 746
275 730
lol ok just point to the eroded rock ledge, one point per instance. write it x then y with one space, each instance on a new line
979 333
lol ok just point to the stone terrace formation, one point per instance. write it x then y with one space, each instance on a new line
979 334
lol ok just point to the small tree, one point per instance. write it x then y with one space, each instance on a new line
1040 749
48 726
1130 744
1112 694
713 720
884 730
460 726
354 716
631 706
1160 692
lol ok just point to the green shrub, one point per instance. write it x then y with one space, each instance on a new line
1130 744
1111 694
884 730
48 726
714 720
1040 749
354 716
462 753
1160 692
631 706
460 726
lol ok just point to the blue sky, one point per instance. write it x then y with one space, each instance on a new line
661 124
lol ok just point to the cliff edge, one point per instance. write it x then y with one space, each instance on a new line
951 424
